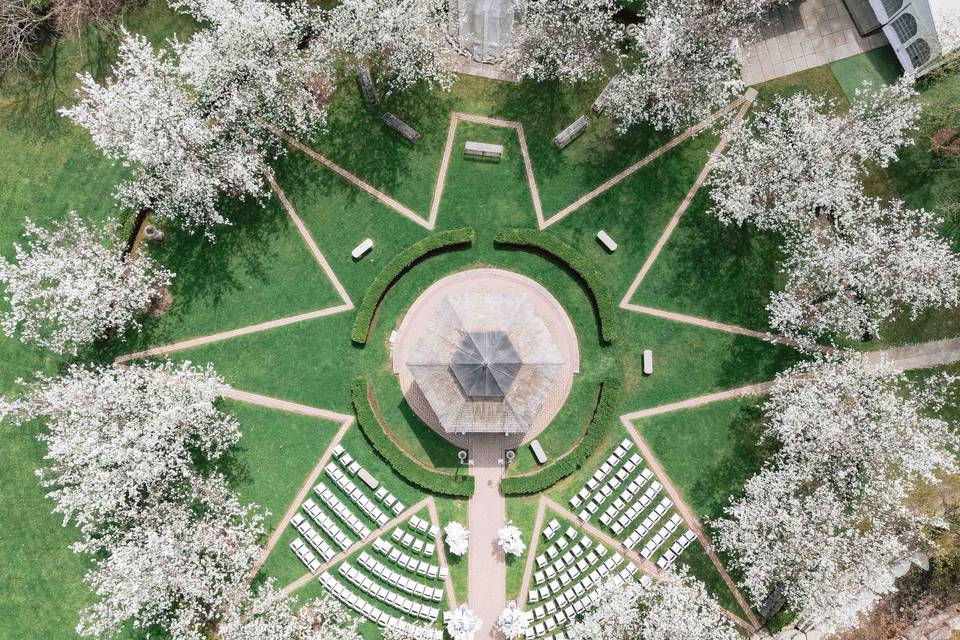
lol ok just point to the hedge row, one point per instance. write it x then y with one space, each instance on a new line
603 417
579 263
395 268
437 482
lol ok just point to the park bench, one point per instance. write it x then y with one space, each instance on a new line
367 87
483 150
361 249
538 453
606 241
601 102
647 362
401 127
572 132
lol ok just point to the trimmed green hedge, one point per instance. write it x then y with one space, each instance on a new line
579 264
395 268
437 482
556 471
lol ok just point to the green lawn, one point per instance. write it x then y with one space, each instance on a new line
260 269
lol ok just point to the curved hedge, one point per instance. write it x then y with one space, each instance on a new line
562 467
437 482
395 268
578 263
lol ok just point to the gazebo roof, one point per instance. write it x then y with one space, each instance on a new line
486 363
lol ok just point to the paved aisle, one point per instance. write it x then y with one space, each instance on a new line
487 513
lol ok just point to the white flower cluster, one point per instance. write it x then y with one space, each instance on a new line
828 513
71 285
457 538
675 607
851 261
514 622
510 539
463 624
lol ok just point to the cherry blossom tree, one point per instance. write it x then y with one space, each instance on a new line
510 539
756 181
565 40
119 438
72 285
258 63
269 614
457 538
677 607
875 259
829 513
173 569
463 624
404 39
514 622
688 64
147 117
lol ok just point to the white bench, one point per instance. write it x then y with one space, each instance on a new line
362 249
483 150
601 102
538 452
606 241
647 362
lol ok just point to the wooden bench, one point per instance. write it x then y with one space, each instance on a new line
538 453
361 249
572 132
367 87
647 362
401 127
483 150
606 241
601 102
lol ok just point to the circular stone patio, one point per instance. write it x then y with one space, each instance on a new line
420 320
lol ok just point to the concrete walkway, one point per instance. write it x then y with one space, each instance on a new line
487 512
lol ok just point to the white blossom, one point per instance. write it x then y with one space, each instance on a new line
828 513
402 39
688 64
258 62
172 569
72 285
676 607
121 437
802 157
510 539
463 624
457 538
514 622
269 614
565 40
862 266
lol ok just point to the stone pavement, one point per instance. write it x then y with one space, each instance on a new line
804 35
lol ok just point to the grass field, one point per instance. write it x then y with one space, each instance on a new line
260 269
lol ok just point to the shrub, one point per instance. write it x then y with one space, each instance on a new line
577 262
396 267
437 482
596 431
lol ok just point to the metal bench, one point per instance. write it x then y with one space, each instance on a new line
601 102
483 150
572 132
367 87
361 249
401 127
606 241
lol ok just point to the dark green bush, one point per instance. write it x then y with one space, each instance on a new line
603 416
578 263
433 481
395 268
